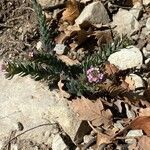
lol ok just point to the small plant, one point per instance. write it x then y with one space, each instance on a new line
89 77
46 35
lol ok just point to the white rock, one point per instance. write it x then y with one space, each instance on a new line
30 102
136 10
125 22
146 2
148 47
134 81
146 52
87 138
127 58
94 13
133 133
148 23
60 49
39 45
45 3
58 143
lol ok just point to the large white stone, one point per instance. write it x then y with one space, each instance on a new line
125 22
127 58
30 102
94 13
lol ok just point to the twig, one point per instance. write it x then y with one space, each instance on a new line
46 124
95 130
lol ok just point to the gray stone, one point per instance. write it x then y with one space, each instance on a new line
46 3
125 23
148 23
58 143
30 102
94 13
148 47
60 49
127 58
134 133
146 52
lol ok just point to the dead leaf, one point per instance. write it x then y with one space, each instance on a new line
144 112
91 111
142 123
103 37
144 143
68 61
71 12
111 69
102 139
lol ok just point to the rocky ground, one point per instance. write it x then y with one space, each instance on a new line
34 118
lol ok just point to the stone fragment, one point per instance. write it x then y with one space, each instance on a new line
125 23
148 23
146 53
58 143
129 57
60 49
136 10
146 2
134 81
39 45
94 13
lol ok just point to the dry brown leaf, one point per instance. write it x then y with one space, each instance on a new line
71 12
144 143
141 123
111 69
102 139
144 112
68 61
103 37
91 111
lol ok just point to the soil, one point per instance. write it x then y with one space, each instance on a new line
18 27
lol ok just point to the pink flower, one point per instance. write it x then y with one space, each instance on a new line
94 75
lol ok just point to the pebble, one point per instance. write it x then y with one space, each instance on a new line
60 49
133 133
125 23
129 57
87 138
134 81
39 45
146 52
148 23
58 143
94 13
136 10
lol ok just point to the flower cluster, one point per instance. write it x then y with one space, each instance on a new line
94 75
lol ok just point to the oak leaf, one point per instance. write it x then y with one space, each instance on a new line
71 12
92 111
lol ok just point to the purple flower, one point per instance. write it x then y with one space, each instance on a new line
94 75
